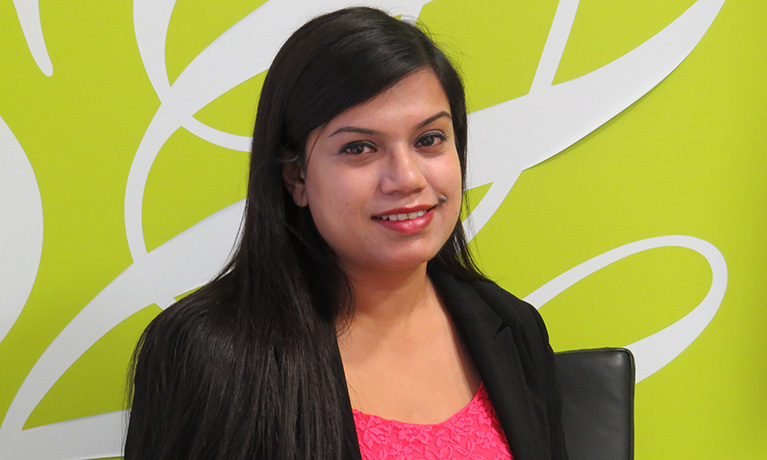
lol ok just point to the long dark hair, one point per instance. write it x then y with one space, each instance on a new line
247 366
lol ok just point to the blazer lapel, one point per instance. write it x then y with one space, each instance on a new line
492 345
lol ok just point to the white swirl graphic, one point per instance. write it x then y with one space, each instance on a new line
28 12
515 135
21 232
245 50
177 266
659 349
542 123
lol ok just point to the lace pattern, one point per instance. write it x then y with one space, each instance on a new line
474 432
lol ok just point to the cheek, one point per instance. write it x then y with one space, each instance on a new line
447 182
332 198
457 187
450 175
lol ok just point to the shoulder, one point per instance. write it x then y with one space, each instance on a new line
510 345
522 318
204 316
506 304
480 306
175 327
479 296
190 341
172 345
182 370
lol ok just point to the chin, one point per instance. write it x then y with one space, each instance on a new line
407 262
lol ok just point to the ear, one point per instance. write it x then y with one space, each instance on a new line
293 178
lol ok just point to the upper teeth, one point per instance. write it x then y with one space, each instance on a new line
403 216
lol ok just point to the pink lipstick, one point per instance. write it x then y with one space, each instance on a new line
406 220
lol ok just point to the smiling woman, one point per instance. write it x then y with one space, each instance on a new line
382 179
351 295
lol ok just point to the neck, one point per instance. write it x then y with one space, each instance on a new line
388 299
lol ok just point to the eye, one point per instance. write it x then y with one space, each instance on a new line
358 148
431 139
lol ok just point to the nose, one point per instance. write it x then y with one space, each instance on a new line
403 172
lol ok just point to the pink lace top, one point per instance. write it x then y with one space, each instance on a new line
472 433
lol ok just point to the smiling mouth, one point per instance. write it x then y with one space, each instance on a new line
404 216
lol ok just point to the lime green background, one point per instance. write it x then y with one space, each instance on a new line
688 158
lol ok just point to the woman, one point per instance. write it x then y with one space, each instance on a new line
352 300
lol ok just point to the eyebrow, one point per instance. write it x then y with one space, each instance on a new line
355 129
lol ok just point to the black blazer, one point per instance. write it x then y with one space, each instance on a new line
509 344
505 336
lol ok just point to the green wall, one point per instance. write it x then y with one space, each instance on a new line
106 171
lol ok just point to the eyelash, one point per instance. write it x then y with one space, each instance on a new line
365 145
435 135
432 135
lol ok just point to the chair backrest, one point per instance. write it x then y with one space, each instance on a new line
597 403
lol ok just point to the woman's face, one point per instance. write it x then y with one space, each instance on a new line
382 179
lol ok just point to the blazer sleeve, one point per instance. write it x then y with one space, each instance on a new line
553 395
537 358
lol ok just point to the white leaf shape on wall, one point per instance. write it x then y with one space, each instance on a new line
510 137
28 12
21 228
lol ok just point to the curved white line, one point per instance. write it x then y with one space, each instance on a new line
21 231
523 132
150 24
243 51
218 137
98 436
484 210
162 126
555 45
28 12
659 349
185 262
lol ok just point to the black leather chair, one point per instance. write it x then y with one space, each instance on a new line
597 403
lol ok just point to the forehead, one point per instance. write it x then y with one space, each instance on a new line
410 101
